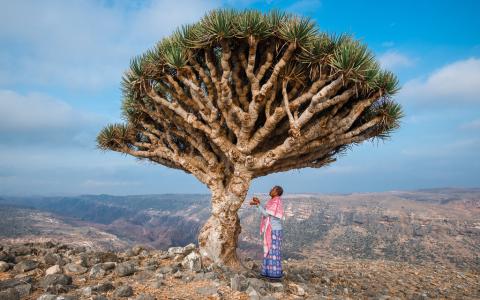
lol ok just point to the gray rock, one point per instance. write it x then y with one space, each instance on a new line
86 291
238 283
103 287
172 251
74 269
51 259
10 294
26 265
192 261
252 293
21 250
97 272
256 283
276 287
109 265
11 283
47 297
125 269
55 279
99 297
23 290
4 266
123 291
188 248
165 270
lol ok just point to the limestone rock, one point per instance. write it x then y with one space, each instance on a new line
53 270
192 261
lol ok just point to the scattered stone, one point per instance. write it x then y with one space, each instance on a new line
53 270
103 287
178 274
125 269
4 266
123 291
165 270
11 283
55 279
23 290
47 297
26 265
238 283
51 259
74 269
172 251
252 293
97 272
192 261
277 287
296 289
10 294
99 297
87 291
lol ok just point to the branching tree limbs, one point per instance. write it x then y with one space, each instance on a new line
240 95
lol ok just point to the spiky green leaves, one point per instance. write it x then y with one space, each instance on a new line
114 136
252 23
353 59
301 31
390 114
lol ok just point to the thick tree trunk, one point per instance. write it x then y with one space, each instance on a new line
219 236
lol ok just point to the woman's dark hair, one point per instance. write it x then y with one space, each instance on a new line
279 190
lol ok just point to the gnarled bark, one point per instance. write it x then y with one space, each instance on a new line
219 236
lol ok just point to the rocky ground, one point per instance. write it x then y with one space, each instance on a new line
54 271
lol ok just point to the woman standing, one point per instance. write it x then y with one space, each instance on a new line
271 228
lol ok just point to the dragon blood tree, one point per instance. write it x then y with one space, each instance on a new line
240 95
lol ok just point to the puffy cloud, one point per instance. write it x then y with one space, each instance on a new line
36 118
393 59
455 83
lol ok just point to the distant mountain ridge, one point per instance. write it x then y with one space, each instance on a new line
429 225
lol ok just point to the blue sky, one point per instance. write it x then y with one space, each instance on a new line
61 63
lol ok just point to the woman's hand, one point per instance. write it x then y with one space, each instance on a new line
255 201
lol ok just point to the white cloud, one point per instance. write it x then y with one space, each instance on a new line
36 118
37 112
83 43
393 60
456 83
